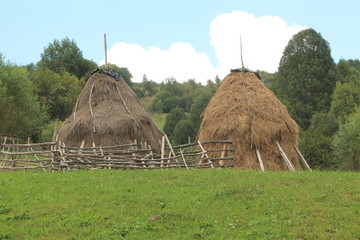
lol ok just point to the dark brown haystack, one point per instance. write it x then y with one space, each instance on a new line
108 113
245 111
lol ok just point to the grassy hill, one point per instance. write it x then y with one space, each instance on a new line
159 118
179 204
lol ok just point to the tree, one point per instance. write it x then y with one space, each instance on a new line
346 98
123 71
150 87
172 119
306 76
58 92
347 143
316 143
267 78
217 80
197 108
349 70
20 111
182 131
165 102
64 55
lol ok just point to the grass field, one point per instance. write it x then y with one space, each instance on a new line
159 119
179 204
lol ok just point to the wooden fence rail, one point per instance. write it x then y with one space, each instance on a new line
55 156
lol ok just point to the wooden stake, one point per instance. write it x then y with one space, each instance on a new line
223 155
260 160
241 55
170 146
105 50
162 150
287 161
207 156
303 159
182 155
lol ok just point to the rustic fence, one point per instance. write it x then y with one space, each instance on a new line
56 156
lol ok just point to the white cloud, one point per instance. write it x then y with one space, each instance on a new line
181 61
264 39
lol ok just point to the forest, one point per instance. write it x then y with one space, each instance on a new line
322 96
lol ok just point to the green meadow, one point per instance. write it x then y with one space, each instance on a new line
179 204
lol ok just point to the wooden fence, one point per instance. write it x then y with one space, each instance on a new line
55 156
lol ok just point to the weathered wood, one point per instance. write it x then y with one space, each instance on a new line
303 159
60 157
27 153
185 145
287 161
162 149
216 141
182 155
260 160
28 144
103 147
207 156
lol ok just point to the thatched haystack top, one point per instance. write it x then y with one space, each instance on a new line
245 111
107 112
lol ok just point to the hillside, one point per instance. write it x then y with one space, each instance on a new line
176 204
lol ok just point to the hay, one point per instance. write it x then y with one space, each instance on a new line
108 113
245 111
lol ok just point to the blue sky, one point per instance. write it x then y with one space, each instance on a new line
164 32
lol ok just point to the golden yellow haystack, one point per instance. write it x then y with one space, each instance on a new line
245 111
108 113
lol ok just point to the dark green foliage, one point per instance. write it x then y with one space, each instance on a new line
57 92
316 143
347 143
172 119
267 78
165 101
20 111
124 73
139 92
184 130
349 70
306 76
198 107
64 55
48 130
150 87
346 96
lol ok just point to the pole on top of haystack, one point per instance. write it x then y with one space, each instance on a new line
105 49
241 55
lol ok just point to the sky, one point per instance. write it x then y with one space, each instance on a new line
187 39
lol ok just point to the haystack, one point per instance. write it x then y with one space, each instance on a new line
108 113
245 111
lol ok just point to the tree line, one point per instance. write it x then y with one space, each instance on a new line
322 96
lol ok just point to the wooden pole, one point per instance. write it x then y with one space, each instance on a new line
260 160
287 161
162 150
204 152
170 146
303 159
221 162
241 55
105 50
182 155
